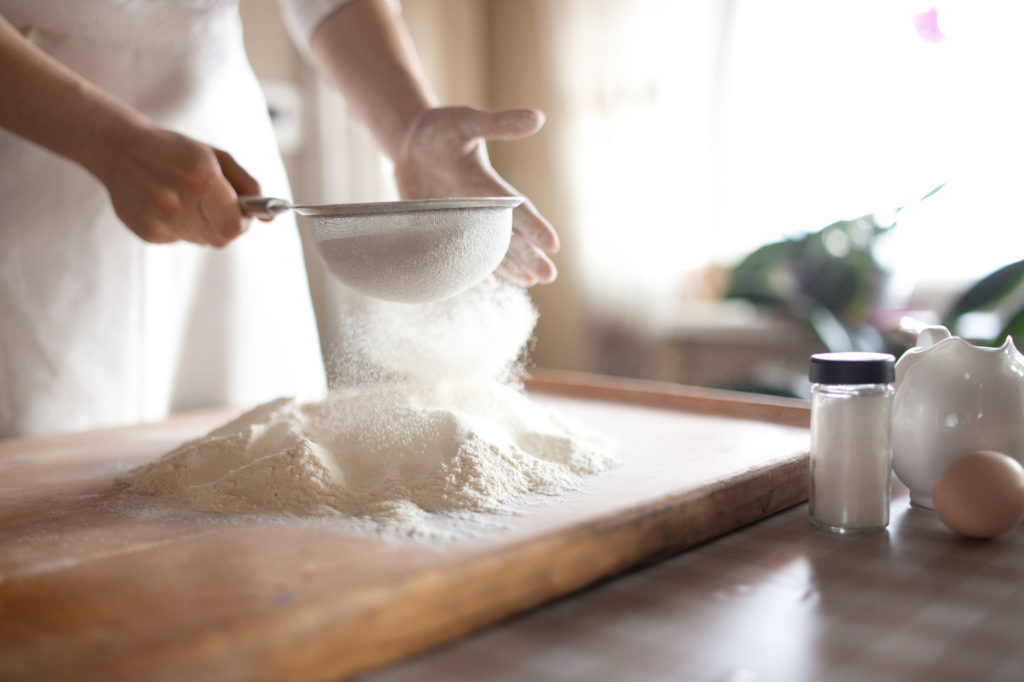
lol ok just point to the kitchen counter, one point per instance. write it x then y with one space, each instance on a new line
91 589
774 601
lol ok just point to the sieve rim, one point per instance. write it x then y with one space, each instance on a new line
407 206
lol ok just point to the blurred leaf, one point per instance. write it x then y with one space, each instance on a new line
828 279
934 191
1014 328
829 329
987 291
767 257
930 193
868 338
762 277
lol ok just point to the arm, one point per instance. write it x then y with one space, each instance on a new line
163 186
366 52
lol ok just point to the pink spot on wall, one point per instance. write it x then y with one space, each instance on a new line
927 25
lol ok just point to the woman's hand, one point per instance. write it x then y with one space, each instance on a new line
167 187
444 154
365 49
164 186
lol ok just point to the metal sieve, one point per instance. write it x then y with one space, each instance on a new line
408 251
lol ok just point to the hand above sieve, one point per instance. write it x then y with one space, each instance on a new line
444 154
438 152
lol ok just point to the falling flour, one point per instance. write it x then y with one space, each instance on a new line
426 423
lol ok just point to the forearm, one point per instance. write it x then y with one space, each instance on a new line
163 186
51 105
366 51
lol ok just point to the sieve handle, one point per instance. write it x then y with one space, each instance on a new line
263 207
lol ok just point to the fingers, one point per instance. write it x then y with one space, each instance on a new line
240 180
200 204
169 187
444 155
510 272
525 264
535 228
220 208
526 219
223 219
500 125
161 217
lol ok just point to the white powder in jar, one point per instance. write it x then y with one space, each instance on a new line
425 419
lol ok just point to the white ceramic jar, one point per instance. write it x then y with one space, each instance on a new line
954 398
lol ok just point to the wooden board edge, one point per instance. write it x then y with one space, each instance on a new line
711 401
647 535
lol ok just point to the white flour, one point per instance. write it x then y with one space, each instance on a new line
425 426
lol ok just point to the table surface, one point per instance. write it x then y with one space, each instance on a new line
776 600
84 568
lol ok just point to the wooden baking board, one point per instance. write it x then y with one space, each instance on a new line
91 592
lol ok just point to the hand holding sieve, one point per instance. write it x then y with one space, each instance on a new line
408 251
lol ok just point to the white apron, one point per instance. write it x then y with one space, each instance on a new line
99 328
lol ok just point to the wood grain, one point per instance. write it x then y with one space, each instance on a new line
90 590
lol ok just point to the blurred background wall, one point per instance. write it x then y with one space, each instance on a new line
683 136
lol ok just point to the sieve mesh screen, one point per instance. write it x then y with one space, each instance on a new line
414 256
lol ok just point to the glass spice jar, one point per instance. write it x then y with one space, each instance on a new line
851 440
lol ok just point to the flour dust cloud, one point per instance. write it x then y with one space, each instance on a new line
425 428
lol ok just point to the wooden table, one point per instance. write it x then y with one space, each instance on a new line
774 601
88 594
91 588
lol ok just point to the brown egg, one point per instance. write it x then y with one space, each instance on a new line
980 495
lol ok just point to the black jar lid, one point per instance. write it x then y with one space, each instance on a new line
852 368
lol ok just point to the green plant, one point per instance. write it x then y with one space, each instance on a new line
829 280
1000 295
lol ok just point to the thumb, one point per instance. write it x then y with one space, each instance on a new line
240 180
501 125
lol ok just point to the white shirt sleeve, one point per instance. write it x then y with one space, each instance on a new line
302 17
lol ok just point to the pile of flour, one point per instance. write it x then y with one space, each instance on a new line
425 424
